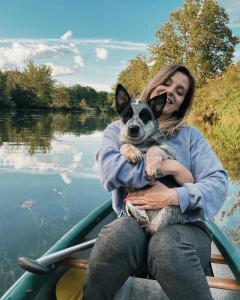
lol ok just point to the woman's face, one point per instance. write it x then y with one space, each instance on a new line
176 88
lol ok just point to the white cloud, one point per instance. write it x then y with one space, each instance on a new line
60 70
75 79
101 53
68 57
19 52
98 86
67 35
78 60
113 44
14 55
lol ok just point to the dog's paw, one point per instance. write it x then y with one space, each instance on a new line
153 162
131 153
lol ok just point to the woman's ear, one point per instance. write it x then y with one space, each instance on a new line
157 104
122 98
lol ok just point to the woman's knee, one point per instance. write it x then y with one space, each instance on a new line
120 239
168 249
174 260
123 230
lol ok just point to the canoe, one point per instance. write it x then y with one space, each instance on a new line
64 279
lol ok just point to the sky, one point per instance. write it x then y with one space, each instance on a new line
86 42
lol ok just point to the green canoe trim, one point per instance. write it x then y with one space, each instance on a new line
28 285
228 250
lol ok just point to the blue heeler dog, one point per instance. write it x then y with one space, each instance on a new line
140 131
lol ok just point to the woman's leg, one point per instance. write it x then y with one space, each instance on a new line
119 251
177 258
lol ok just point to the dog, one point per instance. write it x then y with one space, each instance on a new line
138 134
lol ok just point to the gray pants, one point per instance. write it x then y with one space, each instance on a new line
177 256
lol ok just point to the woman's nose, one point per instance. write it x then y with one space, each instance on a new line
170 90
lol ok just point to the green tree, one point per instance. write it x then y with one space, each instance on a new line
79 93
39 81
197 35
219 98
61 98
90 96
4 93
135 76
111 101
24 98
102 100
75 93
34 88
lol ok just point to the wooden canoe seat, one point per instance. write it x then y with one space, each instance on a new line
217 259
213 282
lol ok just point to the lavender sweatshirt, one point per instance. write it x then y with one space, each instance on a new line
200 200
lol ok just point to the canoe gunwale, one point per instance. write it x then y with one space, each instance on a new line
228 250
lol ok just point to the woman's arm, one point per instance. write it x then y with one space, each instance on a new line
203 199
114 170
180 173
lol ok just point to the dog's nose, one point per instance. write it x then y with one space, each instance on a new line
133 130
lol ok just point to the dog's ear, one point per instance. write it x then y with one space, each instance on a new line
122 98
157 104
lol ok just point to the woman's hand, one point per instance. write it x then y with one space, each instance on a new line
180 173
155 197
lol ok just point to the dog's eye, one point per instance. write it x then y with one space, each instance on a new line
127 114
145 116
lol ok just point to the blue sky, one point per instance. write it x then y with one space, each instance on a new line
86 42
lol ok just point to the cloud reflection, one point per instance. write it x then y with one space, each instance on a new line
70 156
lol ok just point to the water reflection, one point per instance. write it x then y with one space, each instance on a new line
36 131
48 181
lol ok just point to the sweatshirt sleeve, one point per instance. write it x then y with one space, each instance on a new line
203 199
114 170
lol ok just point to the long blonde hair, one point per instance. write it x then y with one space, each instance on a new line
177 119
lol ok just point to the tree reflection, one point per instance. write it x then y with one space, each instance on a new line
36 131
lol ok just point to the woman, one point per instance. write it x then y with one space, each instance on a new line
178 255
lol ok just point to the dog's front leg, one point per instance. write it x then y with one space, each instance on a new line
154 158
131 153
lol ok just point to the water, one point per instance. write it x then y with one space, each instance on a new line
49 182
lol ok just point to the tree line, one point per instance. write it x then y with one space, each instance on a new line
34 88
